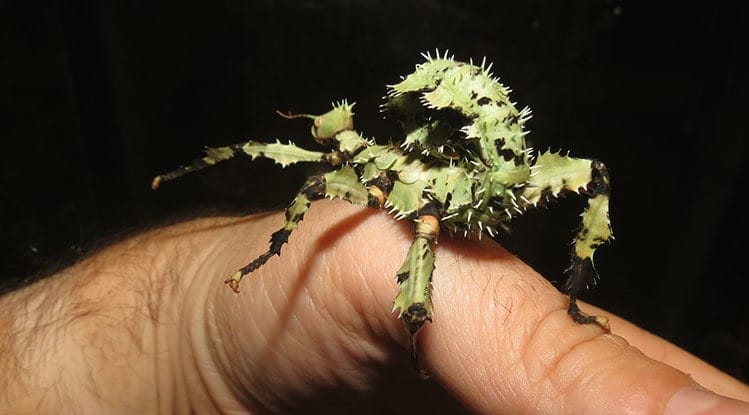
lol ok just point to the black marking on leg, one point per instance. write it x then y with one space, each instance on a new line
197 164
373 201
581 275
314 187
385 181
336 158
277 239
298 217
578 316
599 183
433 208
380 188
375 197
415 317
213 156
345 156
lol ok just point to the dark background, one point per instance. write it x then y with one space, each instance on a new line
96 98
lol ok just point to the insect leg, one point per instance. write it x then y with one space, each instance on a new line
213 156
414 300
595 230
312 189
283 154
553 173
342 184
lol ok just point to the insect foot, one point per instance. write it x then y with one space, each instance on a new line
461 165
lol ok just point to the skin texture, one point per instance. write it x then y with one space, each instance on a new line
145 326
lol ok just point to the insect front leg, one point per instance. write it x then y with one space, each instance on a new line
283 154
554 173
212 156
414 300
342 184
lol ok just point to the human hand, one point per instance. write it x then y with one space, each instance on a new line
146 326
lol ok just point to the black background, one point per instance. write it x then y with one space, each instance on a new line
96 98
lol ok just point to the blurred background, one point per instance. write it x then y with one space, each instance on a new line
98 97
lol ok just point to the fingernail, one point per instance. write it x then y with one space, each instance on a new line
695 401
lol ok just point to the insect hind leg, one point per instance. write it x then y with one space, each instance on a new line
589 177
313 189
595 230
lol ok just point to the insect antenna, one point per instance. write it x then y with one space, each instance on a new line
290 116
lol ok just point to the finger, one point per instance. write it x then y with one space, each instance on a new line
519 352
661 350
501 341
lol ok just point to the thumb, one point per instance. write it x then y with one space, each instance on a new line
319 317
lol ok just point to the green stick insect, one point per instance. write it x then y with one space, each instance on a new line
462 166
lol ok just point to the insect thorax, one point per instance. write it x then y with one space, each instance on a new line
464 146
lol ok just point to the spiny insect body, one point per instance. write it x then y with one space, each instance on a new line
462 166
